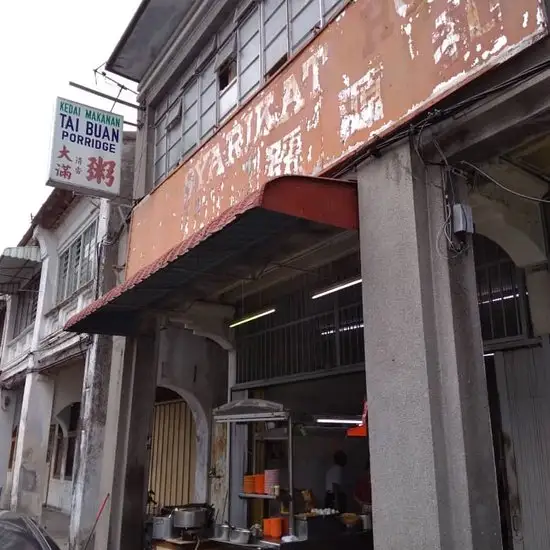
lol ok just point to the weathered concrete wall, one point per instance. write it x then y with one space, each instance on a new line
132 456
538 286
30 473
432 463
8 403
60 494
113 436
5 498
68 386
195 368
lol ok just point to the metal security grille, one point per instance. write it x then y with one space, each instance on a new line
304 335
502 294
172 461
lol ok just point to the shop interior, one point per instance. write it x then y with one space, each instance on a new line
303 354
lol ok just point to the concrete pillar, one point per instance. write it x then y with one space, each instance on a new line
131 401
118 361
432 464
30 468
8 401
538 287
86 497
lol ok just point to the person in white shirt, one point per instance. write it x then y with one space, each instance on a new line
335 496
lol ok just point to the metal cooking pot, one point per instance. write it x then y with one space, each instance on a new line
192 517
239 536
162 528
221 532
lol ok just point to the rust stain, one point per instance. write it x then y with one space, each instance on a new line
373 68
220 482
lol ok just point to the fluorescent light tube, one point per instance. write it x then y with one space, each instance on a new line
346 328
252 317
339 421
337 288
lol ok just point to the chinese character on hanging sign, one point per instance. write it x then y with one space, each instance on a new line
64 171
64 154
102 171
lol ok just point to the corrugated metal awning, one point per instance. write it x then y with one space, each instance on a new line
288 203
17 266
149 30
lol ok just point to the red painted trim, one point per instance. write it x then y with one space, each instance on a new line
322 200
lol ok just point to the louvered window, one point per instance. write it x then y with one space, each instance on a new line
27 302
76 264
249 48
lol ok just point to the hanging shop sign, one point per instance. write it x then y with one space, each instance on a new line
86 150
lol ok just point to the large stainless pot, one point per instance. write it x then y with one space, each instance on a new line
162 528
221 532
192 517
239 536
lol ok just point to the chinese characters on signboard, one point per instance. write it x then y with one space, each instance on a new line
86 149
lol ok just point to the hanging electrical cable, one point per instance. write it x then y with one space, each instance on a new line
490 178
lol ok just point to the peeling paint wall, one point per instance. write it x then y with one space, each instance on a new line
374 67
219 482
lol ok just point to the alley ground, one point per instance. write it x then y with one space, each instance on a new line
57 525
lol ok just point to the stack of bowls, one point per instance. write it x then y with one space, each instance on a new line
272 479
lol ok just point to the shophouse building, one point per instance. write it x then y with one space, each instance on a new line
338 199
54 383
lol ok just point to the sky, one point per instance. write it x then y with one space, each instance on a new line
44 44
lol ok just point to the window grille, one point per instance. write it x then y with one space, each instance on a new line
502 294
304 335
307 336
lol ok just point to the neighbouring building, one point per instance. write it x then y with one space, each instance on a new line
54 383
337 199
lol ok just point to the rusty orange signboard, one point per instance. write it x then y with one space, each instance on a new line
370 70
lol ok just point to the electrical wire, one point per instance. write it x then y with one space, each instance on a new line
487 176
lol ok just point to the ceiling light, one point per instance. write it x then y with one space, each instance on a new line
252 317
337 288
346 421
346 328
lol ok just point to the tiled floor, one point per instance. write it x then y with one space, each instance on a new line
57 525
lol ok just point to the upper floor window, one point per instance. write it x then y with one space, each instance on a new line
2 321
77 263
72 436
25 309
243 55
13 448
